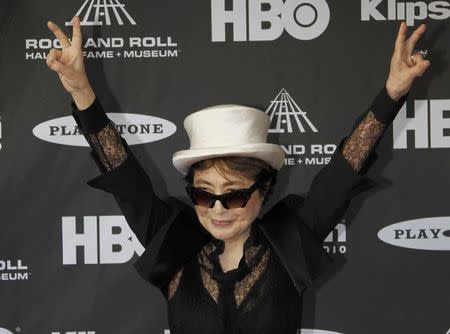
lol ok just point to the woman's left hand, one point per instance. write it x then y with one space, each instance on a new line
404 69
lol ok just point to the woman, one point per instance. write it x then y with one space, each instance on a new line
221 267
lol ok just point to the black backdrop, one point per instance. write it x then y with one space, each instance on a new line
324 61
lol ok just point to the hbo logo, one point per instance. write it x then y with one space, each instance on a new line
302 19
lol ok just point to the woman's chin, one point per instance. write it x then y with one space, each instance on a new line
221 232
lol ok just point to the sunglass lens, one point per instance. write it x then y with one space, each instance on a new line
236 200
201 198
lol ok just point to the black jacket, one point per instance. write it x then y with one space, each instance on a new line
295 226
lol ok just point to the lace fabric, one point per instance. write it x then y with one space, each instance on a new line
255 259
363 139
108 146
258 293
356 150
110 151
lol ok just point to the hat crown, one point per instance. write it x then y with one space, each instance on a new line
226 125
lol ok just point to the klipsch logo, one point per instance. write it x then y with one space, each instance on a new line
134 128
97 13
302 19
404 10
286 117
430 124
105 239
431 233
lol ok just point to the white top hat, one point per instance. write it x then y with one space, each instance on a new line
228 130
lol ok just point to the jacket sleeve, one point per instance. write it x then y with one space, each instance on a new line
330 194
337 183
127 181
168 229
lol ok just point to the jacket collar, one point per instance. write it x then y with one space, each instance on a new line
178 240
283 236
282 233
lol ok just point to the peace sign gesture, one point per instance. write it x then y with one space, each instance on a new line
405 66
69 63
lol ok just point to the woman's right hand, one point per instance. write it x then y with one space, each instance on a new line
69 64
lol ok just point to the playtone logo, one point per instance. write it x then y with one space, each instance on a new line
431 233
105 239
430 120
399 10
135 128
302 19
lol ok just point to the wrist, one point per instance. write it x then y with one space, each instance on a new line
92 119
83 98
392 93
385 107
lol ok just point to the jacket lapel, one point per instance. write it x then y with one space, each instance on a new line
282 233
298 248
171 247
182 237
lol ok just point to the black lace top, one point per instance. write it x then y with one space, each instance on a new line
256 297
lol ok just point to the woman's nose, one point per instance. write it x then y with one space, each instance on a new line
218 207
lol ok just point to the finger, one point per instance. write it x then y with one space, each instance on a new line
54 54
420 67
62 38
411 59
53 63
76 32
412 40
400 41
56 66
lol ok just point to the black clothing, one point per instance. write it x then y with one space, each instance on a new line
291 232
271 306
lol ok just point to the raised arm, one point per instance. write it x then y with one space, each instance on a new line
336 183
101 134
121 173
405 67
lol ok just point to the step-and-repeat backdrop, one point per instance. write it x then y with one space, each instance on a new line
66 251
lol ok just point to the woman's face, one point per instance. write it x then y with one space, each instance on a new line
239 219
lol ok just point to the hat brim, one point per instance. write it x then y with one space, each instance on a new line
273 154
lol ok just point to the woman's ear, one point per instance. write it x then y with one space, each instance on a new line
265 189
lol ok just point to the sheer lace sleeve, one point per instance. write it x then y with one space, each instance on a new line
360 144
101 134
107 145
173 284
366 134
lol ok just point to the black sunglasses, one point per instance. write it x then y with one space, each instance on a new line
233 199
